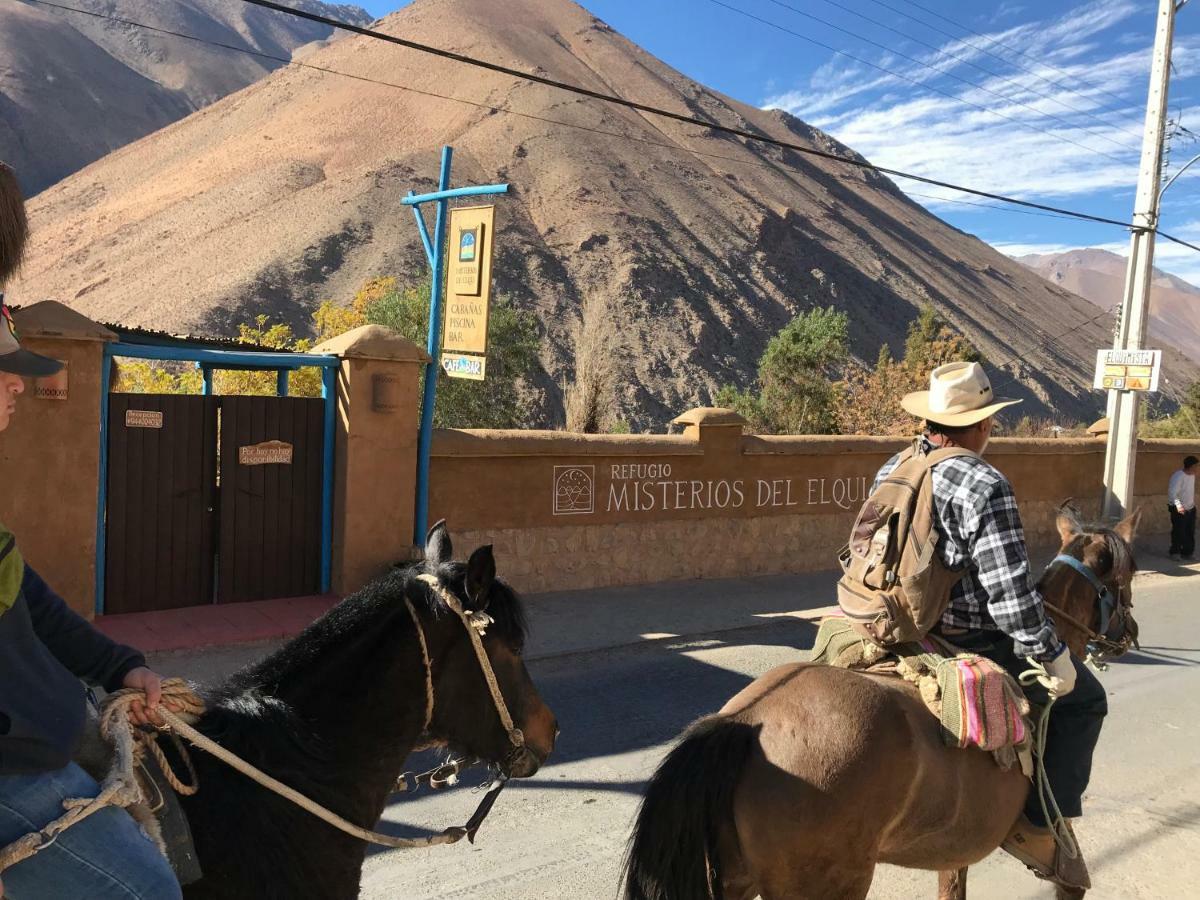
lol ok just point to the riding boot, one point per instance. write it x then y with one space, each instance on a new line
1040 852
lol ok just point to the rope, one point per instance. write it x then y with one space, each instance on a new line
428 665
1041 783
121 788
449 836
477 623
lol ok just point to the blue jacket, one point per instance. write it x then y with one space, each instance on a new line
45 649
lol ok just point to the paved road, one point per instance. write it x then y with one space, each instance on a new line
561 835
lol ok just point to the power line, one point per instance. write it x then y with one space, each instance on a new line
860 164
1025 206
1046 342
915 81
996 43
942 51
665 113
525 115
992 206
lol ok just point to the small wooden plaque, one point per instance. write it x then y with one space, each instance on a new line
143 418
278 453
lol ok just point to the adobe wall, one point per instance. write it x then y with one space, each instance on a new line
50 454
577 511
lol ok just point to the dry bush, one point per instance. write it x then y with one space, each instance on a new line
591 399
1040 427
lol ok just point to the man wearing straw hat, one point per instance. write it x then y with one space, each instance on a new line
995 610
45 649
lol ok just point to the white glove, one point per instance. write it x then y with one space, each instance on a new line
1057 676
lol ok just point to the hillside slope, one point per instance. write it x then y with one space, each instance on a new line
697 246
1099 276
74 87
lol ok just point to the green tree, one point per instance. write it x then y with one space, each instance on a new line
796 394
1183 423
513 344
932 342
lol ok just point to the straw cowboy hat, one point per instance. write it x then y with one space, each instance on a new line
959 395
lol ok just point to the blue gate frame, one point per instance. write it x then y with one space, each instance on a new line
207 361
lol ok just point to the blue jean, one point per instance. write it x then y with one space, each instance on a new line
107 855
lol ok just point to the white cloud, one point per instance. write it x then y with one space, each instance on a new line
1055 134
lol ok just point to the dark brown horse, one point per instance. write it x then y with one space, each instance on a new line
812 775
334 714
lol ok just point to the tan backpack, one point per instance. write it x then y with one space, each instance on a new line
894 586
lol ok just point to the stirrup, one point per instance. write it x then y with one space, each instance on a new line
1068 872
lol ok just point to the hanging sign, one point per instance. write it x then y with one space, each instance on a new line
459 365
468 288
1127 370
267 453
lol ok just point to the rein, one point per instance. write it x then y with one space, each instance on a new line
1109 605
120 788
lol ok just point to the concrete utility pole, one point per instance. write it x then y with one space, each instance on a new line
1121 457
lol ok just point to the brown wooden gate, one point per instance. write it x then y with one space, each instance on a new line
270 497
162 465
212 500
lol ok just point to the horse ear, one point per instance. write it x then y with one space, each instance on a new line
481 572
1127 527
438 548
1067 523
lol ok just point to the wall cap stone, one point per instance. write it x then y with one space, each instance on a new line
709 415
51 319
819 444
451 442
373 342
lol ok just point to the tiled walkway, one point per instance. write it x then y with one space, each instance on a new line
205 626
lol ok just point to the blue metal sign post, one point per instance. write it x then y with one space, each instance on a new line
435 251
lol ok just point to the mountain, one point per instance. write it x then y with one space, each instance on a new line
74 87
696 247
1099 276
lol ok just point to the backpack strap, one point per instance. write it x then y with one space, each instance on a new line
941 454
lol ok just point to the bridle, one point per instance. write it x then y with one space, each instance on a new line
1114 637
446 775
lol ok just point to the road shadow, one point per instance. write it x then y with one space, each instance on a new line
1147 656
614 702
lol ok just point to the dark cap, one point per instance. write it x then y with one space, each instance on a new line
16 360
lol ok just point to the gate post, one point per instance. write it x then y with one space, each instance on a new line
51 452
375 458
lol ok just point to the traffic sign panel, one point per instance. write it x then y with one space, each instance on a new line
1127 370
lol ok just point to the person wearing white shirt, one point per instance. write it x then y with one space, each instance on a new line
1181 504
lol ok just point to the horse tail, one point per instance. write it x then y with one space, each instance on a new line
673 853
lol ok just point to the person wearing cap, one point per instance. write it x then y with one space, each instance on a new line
1181 506
995 610
46 653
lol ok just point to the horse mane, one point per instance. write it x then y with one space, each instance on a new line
255 712
376 607
14 227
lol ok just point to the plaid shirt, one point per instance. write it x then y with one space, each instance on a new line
975 512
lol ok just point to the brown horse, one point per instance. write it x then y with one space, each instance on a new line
812 775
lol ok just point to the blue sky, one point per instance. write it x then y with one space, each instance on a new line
1041 100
